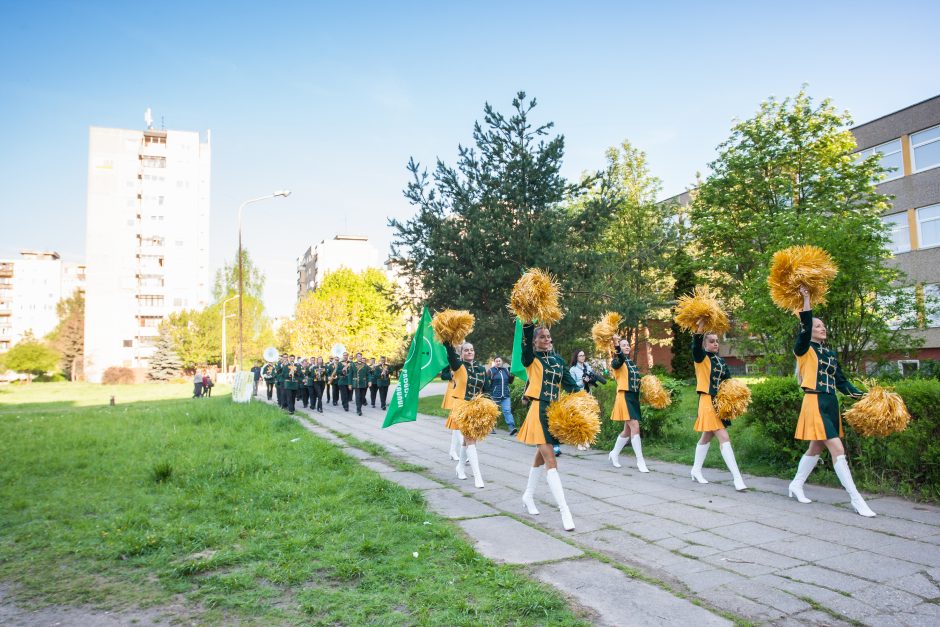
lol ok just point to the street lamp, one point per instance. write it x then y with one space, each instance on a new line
284 193
224 326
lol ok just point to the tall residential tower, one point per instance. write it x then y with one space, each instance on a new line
147 242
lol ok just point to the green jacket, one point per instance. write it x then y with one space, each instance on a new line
382 380
279 373
345 372
359 375
293 375
268 372
373 373
307 375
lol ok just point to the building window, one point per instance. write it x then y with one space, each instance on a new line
932 304
150 301
891 158
128 343
928 226
899 230
907 367
153 162
925 146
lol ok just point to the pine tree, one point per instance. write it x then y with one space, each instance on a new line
165 364
68 338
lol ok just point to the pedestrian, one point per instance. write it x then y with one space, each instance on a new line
627 403
500 380
820 422
207 383
582 372
319 383
197 384
305 382
710 371
293 376
255 377
343 378
383 380
359 381
373 387
268 374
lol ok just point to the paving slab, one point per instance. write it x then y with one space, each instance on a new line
412 480
506 540
452 504
621 600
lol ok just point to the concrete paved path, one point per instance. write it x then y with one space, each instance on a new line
658 548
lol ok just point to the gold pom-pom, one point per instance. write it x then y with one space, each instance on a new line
653 393
701 305
809 266
452 326
476 418
574 418
604 331
732 399
880 412
535 298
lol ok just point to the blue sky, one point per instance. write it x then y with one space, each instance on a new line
331 99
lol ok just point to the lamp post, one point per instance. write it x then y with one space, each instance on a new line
284 193
224 326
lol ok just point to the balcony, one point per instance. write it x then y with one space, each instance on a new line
148 331
6 269
152 149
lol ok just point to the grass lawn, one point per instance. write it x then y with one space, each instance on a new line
231 512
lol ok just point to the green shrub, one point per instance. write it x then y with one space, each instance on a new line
774 411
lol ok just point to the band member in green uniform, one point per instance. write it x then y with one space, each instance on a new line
292 379
318 375
382 380
548 375
373 389
344 378
820 421
267 373
305 382
330 380
279 373
359 379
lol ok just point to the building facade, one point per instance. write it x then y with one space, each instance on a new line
353 252
30 288
147 240
908 142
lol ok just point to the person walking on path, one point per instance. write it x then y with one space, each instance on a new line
293 376
627 403
359 380
268 374
500 380
820 422
197 384
318 375
710 371
382 380
548 375
305 383
255 377
207 383
373 388
470 380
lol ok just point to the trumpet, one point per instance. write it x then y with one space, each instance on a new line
384 371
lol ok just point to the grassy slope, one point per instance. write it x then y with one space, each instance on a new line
216 504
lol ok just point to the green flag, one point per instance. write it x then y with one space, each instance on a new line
516 368
426 358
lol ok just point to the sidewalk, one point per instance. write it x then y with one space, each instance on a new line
657 548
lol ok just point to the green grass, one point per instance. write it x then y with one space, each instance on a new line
232 511
431 406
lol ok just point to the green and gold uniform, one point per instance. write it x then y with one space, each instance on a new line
710 371
468 379
627 401
548 375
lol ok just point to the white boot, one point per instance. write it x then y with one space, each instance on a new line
455 444
528 497
554 484
701 451
461 460
475 465
845 476
638 451
807 463
615 453
732 465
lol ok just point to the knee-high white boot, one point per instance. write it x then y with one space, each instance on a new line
732 465
461 461
554 484
615 453
475 465
701 451
845 476
528 497
807 463
455 441
638 451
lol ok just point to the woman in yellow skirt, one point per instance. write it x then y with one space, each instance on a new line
626 404
469 380
456 438
548 374
820 422
710 371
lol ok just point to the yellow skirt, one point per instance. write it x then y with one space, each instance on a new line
452 405
820 418
532 431
626 406
707 418
448 402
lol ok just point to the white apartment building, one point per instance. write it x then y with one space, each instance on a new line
30 288
343 251
147 241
